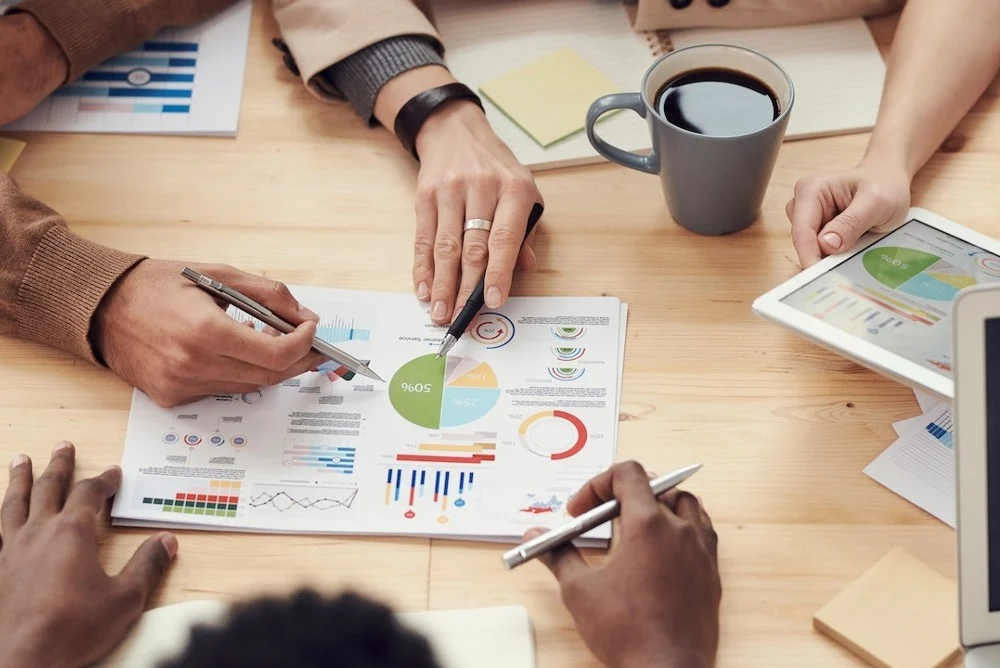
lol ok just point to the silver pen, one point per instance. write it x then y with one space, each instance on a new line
265 315
591 519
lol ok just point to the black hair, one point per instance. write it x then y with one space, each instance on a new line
307 631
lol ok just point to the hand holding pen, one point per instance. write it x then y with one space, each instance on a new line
176 343
655 600
256 310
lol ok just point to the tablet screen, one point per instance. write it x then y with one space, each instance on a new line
992 350
898 292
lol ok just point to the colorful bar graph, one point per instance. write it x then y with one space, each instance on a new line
407 486
216 498
331 458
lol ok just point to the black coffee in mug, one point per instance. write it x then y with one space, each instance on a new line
717 102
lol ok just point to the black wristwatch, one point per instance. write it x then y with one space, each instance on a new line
415 112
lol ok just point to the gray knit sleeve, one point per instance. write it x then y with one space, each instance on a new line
361 76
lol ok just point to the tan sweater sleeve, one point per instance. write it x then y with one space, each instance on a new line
320 33
91 31
51 281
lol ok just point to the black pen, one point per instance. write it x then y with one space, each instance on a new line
476 299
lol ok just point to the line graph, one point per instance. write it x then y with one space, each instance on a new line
291 500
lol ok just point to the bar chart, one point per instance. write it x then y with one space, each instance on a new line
325 458
430 490
214 498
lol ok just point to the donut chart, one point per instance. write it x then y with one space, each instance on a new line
554 434
493 330
434 392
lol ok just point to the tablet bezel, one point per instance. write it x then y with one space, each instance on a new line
973 308
863 352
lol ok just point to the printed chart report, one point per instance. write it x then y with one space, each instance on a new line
898 293
182 81
483 443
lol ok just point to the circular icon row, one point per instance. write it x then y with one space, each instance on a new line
171 438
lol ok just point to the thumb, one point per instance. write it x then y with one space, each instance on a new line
565 562
148 565
274 295
843 231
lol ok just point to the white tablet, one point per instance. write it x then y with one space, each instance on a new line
887 303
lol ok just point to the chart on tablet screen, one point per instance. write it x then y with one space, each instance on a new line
899 292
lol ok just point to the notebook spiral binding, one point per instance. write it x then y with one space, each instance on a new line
659 42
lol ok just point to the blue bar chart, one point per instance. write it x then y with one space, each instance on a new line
328 458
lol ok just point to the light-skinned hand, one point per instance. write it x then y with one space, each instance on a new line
58 608
830 212
467 172
655 601
173 341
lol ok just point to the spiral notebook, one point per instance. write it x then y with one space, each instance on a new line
836 67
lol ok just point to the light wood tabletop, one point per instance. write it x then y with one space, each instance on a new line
308 194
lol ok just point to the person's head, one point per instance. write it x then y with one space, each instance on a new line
307 631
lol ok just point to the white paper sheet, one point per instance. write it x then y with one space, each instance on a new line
483 444
186 81
920 465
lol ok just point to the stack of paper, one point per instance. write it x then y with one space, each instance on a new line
920 464
186 81
481 444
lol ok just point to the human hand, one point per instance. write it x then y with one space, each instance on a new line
58 608
467 172
655 601
170 339
829 213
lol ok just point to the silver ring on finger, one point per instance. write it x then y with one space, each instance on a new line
477 224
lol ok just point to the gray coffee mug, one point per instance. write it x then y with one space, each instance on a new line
713 185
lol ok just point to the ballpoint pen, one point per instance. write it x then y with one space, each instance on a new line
265 315
476 299
589 520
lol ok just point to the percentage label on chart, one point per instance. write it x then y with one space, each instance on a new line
416 387
465 403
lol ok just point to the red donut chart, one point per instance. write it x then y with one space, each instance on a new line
553 434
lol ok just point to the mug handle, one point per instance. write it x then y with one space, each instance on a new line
602 105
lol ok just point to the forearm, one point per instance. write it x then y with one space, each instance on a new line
33 65
51 281
90 31
401 89
943 57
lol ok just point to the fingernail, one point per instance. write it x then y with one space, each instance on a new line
18 460
308 314
832 240
493 297
439 310
62 445
169 543
423 291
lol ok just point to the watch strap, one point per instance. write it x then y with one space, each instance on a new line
417 110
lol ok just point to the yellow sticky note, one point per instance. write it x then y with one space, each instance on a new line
10 151
549 98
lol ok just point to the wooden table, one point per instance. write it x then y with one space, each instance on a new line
784 427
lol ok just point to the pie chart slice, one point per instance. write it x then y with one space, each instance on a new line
447 392
553 434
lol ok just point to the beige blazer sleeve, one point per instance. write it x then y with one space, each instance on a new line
320 33
661 15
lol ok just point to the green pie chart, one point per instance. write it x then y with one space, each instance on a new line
443 392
